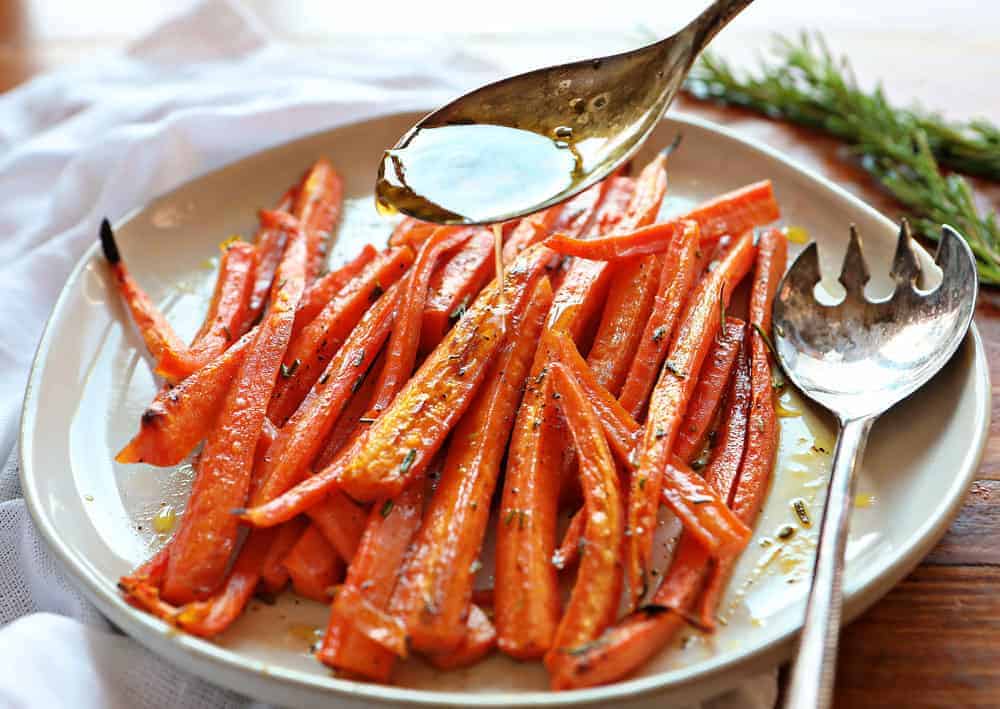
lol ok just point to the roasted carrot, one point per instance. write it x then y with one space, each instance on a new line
669 402
372 575
273 575
179 417
323 290
342 521
709 390
678 273
435 588
568 552
372 622
612 209
309 353
227 313
530 231
579 214
454 285
479 640
401 354
270 243
732 213
704 514
595 596
156 332
411 231
314 566
317 205
352 420
207 536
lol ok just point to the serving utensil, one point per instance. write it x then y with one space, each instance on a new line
858 359
531 141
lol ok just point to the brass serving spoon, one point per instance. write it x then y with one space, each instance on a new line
526 143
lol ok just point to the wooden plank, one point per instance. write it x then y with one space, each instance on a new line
974 536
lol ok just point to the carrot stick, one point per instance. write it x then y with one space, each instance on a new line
732 213
680 268
273 575
595 596
226 314
178 418
370 621
479 640
372 575
612 209
411 231
435 588
708 391
318 205
568 552
352 421
156 332
579 215
669 402
314 566
309 353
342 521
207 537
530 231
704 514
323 290
270 243
454 285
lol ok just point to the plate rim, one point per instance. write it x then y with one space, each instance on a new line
192 653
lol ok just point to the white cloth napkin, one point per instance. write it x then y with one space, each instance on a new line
203 89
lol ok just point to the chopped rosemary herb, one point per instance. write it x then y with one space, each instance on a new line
359 358
376 293
458 312
659 333
357 383
386 508
411 455
366 419
288 370
801 511
324 378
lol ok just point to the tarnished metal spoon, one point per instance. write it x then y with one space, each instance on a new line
534 140
858 359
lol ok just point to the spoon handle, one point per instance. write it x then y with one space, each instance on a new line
813 675
712 19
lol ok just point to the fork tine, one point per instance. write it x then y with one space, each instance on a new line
805 269
854 273
905 267
954 257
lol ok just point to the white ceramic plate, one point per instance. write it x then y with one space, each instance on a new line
90 383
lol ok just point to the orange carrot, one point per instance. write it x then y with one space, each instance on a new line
479 640
435 589
323 290
352 420
309 353
314 566
371 621
411 231
709 390
454 285
704 514
318 203
402 351
595 596
273 575
207 537
530 231
579 215
178 418
669 402
342 521
568 552
732 213
612 209
226 315
270 243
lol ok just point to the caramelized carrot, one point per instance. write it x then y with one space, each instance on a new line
323 290
732 213
454 285
227 312
371 621
530 231
595 596
353 420
314 566
207 536
568 552
704 514
309 353
669 402
479 640
156 332
317 205
411 231
579 215
435 588
402 351
270 243
372 575
341 520
179 417
709 390
612 209
273 575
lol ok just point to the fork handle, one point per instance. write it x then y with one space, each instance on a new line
813 675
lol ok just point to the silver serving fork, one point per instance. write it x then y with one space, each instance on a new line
858 359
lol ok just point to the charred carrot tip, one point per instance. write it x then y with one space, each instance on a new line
108 245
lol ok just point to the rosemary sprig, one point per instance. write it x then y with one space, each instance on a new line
900 148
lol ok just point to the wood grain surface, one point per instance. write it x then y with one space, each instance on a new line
934 640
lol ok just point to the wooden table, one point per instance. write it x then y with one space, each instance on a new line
935 639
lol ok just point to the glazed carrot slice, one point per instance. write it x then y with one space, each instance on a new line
342 521
300 440
314 566
317 205
680 268
156 332
309 353
454 285
579 215
669 402
530 231
207 536
370 621
708 391
411 231
704 514
402 351
352 421
435 588
323 290
595 596
179 417
732 213
273 574
372 575
762 436
612 209
227 313
568 552
479 640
